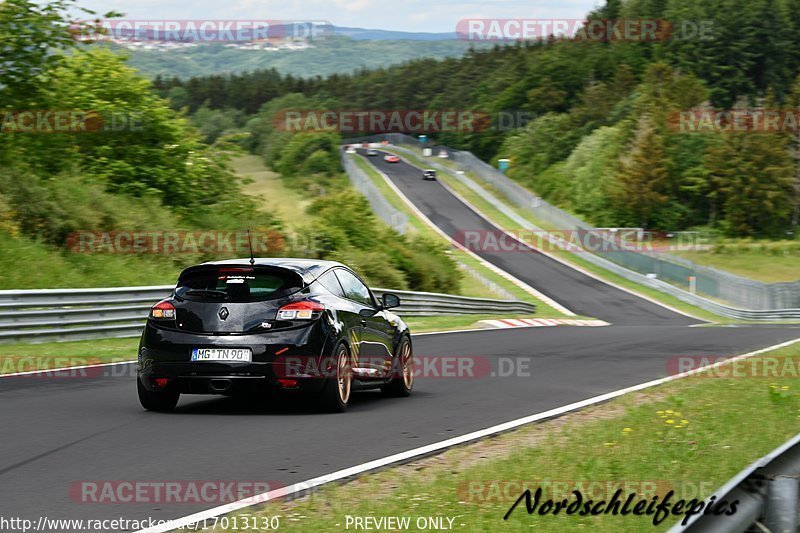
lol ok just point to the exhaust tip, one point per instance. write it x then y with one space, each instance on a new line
219 385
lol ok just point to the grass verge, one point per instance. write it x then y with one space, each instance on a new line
27 357
690 435
757 264
269 188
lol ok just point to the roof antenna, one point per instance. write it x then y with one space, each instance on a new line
250 244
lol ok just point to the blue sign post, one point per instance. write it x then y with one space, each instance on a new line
503 164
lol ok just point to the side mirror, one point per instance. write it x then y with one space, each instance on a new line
390 300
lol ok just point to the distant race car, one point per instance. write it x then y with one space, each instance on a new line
372 151
389 158
429 174
293 325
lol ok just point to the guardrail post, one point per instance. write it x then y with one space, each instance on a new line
780 510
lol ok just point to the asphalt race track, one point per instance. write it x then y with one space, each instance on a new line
579 293
59 431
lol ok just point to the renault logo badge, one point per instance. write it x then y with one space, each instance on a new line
223 313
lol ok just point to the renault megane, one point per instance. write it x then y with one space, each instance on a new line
245 326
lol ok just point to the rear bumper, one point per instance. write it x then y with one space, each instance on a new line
194 379
166 354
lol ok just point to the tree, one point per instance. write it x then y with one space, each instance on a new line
794 101
33 36
752 175
642 182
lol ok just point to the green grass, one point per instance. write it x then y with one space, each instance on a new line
690 435
63 269
25 264
469 286
268 186
754 264
27 357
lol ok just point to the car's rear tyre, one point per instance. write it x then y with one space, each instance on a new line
402 381
160 401
335 395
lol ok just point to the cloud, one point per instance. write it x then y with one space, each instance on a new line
408 15
351 5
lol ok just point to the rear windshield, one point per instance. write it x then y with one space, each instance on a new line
237 284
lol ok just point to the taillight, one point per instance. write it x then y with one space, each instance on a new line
163 311
302 310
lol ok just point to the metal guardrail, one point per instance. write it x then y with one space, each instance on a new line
380 206
46 315
767 493
432 303
725 286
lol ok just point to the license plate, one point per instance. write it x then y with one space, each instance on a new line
229 355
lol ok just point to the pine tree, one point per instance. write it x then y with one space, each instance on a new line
643 179
752 175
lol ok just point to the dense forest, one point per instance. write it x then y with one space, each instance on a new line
599 142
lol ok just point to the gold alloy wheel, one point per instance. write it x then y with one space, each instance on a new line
407 360
343 374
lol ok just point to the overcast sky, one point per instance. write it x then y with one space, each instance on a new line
407 15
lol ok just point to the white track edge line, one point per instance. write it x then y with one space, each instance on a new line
430 448
65 369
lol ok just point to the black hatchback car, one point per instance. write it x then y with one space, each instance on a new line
238 327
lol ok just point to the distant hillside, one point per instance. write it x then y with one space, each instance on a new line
333 55
390 35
